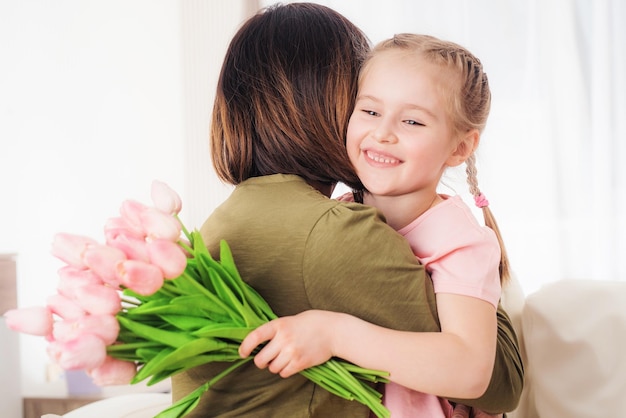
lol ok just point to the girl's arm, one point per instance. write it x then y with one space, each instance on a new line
456 362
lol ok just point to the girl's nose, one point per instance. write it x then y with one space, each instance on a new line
384 134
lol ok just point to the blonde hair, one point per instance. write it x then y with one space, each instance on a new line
468 101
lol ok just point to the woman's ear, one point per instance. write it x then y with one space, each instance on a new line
465 147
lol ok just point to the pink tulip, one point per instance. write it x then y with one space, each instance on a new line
140 277
168 256
70 248
121 226
134 248
159 225
103 260
104 327
64 307
113 372
98 299
130 211
165 198
36 320
86 352
71 277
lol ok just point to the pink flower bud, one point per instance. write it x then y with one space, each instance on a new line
71 277
103 260
159 225
70 248
165 198
140 277
104 327
168 256
64 307
130 211
120 226
134 248
98 299
113 372
36 320
85 352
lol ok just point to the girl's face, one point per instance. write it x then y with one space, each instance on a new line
399 137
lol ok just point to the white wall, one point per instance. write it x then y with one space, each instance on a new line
97 99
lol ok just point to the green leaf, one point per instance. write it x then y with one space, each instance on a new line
172 339
187 351
189 402
211 302
185 322
184 405
146 371
249 295
224 331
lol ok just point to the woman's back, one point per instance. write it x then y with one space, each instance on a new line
286 238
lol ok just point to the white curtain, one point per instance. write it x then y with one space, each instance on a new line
551 157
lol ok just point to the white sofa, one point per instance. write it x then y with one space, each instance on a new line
137 405
572 335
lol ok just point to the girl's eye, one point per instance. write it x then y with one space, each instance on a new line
413 122
371 112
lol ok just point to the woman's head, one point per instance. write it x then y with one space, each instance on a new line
285 94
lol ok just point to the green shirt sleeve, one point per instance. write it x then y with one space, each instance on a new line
377 278
389 287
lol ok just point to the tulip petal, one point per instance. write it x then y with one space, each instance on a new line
113 372
142 278
35 320
104 327
64 307
71 277
134 248
168 256
159 225
103 259
85 352
70 248
121 226
165 198
130 211
98 299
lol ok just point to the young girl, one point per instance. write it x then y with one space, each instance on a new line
421 107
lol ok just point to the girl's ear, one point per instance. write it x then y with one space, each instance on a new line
466 146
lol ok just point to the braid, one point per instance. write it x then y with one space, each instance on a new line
472 180
490 221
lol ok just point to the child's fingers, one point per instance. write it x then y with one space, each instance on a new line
269 357
263 333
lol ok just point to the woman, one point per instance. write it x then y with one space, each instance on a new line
284 97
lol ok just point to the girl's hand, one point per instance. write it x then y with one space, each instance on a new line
295 342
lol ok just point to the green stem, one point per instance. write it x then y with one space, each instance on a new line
185 231
185 405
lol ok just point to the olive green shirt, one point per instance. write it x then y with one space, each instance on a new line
300 251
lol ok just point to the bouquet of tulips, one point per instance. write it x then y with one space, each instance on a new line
152 302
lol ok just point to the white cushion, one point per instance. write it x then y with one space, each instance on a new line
138 405
575 341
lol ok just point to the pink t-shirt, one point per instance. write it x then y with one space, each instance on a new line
461 255
462 258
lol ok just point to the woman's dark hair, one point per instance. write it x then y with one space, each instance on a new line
285 94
